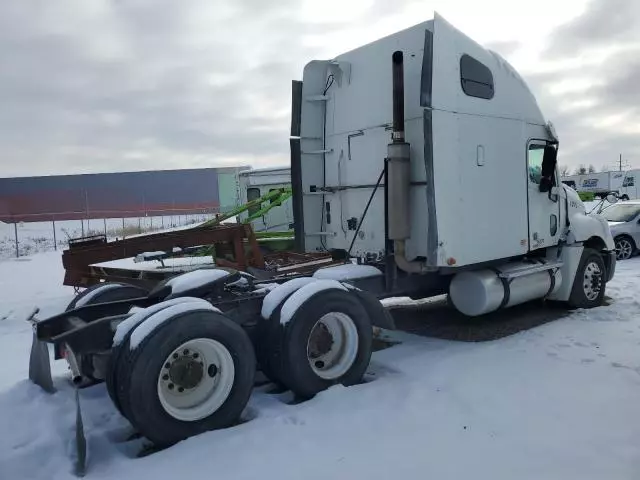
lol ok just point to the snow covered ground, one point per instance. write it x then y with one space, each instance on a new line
561 401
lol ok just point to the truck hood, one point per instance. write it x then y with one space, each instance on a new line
613 224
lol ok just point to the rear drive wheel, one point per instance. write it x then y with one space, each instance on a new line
327 341
192 374
589 283
624 247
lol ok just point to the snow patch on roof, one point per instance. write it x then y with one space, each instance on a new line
143 330
274 297
141 314
295 301
347 272
197 278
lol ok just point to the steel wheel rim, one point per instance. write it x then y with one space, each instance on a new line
592 281
623 249
339 334
177 393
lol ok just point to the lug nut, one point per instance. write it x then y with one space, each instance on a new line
319 364
195 355
171 386
212 370
186 351
175 355
165 377
180 389
167 365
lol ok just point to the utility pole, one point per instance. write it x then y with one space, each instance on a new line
620 162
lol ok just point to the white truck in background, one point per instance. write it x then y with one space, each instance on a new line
623 183
257 182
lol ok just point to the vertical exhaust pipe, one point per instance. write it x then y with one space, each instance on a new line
399 173
397 65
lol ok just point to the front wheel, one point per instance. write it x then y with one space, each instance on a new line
624 248
589 282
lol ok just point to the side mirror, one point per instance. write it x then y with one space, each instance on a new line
612 198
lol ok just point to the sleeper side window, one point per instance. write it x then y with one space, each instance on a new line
476 78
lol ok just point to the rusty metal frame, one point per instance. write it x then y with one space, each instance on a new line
78 259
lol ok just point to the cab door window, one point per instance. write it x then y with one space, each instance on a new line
534 162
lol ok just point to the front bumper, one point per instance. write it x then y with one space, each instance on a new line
610 264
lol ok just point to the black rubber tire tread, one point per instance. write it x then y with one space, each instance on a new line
137 374
289 353
126 292
577 298
115 371
630 239
267 346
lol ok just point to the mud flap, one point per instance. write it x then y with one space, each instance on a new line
81 441
39 364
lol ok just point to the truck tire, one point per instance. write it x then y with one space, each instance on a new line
327 341
192 374
625 247
589 283
107 292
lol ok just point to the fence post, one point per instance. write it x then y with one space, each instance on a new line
105 226
124 235
55 241
15 229
82 223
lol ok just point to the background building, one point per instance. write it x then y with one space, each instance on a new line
119 195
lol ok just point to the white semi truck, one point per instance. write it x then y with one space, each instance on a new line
601 184
423 164
473 196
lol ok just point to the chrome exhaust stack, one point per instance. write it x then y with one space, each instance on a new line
399 174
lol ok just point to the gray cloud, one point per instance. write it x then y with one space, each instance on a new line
604 23
505 48
141 84
605 91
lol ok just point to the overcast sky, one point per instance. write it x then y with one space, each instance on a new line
108 85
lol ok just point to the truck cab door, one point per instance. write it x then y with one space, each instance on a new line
544 206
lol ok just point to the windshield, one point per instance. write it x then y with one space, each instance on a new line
621 212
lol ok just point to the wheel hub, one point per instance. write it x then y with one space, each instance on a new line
320 341
592 281
186 372
196 379
332 346
623 249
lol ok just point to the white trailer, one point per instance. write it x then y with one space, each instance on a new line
601 184
257 182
